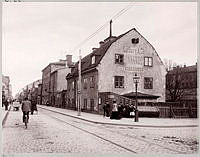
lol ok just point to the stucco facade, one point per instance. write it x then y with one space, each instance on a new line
133 63
113 66
46 82
58 84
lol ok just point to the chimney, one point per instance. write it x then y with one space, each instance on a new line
61 60
110 28
68 60
101 43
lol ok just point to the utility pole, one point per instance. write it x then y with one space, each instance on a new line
79 85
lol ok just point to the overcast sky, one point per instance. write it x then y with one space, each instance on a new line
35 34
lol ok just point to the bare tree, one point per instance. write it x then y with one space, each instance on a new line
168 64
174 86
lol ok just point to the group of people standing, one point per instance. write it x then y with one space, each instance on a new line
118 111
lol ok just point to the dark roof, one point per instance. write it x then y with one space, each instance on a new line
54 63
98 53
140 95
191 68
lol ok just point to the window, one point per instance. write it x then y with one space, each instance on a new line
119 58
85 104
148 61
93 59
92 82
85 83
72 85
148 83
119 82
92 104
135 40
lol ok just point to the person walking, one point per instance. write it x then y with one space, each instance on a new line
26 108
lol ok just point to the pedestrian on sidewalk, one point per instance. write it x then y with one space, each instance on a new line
132 111
6 104
26 108
114 114
33 106
120 110
107 109
104 110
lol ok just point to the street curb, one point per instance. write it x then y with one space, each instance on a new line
5 117
133 125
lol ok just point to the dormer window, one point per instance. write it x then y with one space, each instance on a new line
93 59
135 40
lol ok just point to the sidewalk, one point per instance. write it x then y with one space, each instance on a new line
143 122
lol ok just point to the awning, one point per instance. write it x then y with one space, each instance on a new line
140 95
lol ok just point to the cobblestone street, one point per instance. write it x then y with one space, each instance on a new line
52 132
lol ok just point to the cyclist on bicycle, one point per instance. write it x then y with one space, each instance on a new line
26 108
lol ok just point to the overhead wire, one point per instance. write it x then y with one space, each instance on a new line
103 26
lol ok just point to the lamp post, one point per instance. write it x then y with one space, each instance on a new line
136 81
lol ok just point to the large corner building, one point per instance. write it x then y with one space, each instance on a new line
107 73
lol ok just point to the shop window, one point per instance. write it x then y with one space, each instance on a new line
148 83
148 61
119 82
119 58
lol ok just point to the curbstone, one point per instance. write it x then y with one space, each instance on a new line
5 116
134 125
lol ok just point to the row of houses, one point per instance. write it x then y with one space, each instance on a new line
107 73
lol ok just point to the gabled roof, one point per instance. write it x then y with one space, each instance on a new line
98 53
54 63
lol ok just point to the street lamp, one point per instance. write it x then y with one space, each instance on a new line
136 81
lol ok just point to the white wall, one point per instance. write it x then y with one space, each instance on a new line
61 81
133 63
